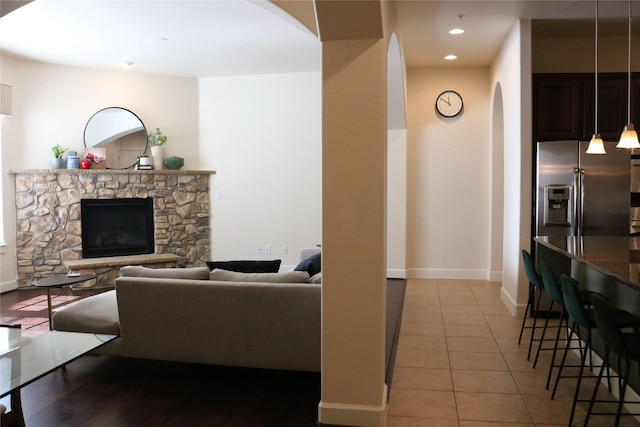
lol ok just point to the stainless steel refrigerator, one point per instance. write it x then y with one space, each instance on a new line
582 194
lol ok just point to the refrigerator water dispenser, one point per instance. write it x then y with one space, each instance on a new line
556 212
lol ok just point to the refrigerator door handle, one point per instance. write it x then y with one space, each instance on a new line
580 221
576 220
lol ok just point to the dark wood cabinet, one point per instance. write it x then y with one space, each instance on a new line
557 112
635 102
612 107
563 105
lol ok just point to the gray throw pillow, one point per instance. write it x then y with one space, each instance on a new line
284 277
193 273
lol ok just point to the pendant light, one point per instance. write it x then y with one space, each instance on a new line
629 137
596 145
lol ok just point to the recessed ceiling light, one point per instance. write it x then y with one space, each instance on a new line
128 64
450 57
456 31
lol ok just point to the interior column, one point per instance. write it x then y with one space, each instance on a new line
354 232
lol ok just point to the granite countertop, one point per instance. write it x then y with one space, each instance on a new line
617 256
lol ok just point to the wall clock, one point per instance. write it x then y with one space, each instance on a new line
449 103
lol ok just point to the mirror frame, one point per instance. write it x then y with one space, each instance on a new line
118 135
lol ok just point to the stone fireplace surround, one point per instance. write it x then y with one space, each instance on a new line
48 228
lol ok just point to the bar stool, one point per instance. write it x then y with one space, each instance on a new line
533 301
552 288
584 317
626 345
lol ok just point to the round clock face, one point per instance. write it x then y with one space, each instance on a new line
449 103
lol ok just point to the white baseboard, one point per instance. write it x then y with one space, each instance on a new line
494 276
396 273
11 285
433 273
354 415
516 310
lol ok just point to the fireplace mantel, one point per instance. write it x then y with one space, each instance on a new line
48 229
112 171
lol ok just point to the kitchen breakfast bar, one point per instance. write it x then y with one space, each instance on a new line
600 258
609 265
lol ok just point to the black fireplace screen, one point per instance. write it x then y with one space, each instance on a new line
114 227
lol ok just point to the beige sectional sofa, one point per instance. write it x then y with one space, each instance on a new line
183 315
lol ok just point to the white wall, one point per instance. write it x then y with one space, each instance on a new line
262 135
52 103
396 203
9 156
511 78
448 175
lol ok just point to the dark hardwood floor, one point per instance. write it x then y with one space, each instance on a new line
100 390
113 391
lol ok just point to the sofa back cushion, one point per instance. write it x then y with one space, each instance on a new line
194 273
248 266
284 277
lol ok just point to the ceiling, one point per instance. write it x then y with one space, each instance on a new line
201 38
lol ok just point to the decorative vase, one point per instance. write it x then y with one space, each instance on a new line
174 162
157 152
57 163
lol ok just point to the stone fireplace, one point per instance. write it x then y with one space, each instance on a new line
49 230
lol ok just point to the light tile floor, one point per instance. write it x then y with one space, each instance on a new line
459 364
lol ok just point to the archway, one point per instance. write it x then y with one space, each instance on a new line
497 186
396 163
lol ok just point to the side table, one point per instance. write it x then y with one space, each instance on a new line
58 281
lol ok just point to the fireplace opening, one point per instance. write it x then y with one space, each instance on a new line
115 227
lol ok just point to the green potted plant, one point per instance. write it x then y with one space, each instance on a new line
156 138
57 162
156 141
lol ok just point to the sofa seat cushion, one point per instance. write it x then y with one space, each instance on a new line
96 314
192 273
284 277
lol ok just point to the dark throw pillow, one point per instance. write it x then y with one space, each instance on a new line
311 265
246 266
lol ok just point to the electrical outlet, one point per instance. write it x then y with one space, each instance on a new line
259 249
267 249
285 250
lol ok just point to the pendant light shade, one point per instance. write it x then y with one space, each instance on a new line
596 145
629 136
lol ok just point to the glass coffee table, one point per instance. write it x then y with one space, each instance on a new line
27 355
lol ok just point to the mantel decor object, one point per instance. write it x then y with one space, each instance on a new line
57 162
156 140
97 156
174 163
73 160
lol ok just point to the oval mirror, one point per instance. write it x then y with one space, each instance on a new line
120 132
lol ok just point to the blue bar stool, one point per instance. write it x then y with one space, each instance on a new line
626 345
584 317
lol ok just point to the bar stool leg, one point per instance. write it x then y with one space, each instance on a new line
535 319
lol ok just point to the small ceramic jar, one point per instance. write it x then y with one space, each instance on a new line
73 161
